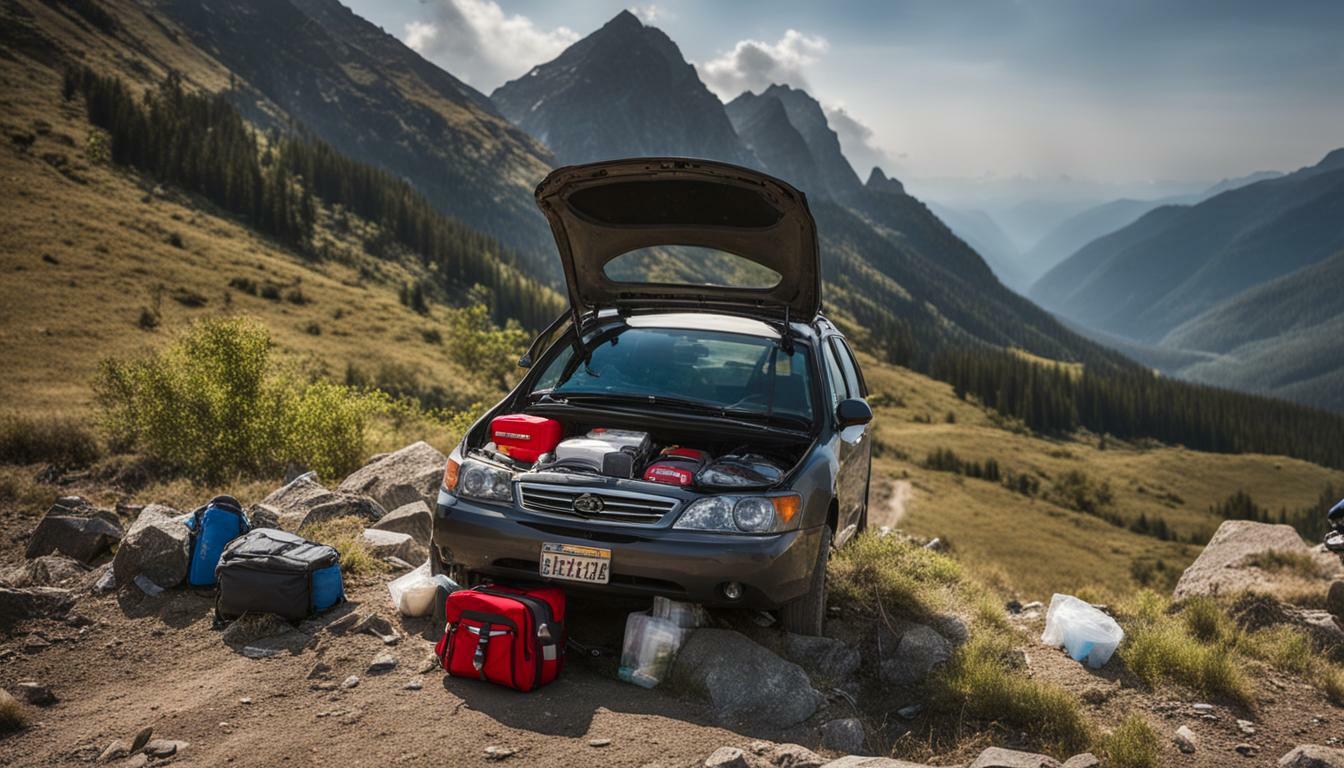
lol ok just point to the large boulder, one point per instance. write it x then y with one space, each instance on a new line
414 520
911 659
859 761
743 681
46 571
263 516
1227 565
392 544
1313 756
75 528
158 547
825 658
304 501
397 479
20 604
998 757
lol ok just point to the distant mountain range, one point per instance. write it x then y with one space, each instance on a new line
1242 289
895 272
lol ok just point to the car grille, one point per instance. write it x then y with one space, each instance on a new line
616 506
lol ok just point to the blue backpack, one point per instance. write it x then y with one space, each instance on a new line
212 527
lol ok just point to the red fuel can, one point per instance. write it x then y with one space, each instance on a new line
524 437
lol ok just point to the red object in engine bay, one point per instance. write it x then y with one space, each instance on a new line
676 466
524 437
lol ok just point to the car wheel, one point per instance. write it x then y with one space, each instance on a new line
454 572
805 615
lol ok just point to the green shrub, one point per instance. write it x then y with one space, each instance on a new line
478 345
979 682
60 440
214 404
886 573
1206 620
1160 648
1133 744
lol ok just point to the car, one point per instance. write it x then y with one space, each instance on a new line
692 426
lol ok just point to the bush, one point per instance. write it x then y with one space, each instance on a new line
478 345
213 404
1133 744
60 440
1160 648
884 573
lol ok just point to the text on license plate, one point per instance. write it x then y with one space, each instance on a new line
571 562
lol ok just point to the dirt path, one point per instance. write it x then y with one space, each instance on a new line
158 662
890 513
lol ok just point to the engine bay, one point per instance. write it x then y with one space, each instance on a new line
532 443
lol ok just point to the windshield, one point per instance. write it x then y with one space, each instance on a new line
736 372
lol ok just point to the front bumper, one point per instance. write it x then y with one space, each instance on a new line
504 542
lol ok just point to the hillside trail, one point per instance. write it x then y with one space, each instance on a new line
891 512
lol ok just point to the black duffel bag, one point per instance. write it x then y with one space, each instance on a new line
273 571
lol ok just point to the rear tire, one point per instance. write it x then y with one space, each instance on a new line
806 614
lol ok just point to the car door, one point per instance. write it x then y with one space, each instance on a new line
851 482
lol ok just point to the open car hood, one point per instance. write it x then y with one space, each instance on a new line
600 211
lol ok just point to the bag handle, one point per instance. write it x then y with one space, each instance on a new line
478 658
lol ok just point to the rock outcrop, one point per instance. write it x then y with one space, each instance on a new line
414 520
1227 563
157 547
304 501
400 478
77 529
743 681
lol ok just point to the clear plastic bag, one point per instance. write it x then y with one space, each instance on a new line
413 593
684 615
650 647
1084 631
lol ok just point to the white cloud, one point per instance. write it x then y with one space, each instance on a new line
858 144
753 65
648 13
480 44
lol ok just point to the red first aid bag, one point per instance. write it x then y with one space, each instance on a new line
509 636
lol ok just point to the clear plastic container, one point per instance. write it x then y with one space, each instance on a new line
413 593
650 646
1084 631
684 615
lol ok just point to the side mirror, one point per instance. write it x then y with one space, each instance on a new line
852 413
525 361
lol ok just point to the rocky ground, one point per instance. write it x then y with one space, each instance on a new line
108 667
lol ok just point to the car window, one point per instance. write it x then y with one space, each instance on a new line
853 378
716 368
834 377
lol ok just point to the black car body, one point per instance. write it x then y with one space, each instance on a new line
750 371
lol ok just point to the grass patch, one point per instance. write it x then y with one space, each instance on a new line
12 716
346 535
980 683
1296 563
1133 744
1285 648
60 440
894 574
1161 648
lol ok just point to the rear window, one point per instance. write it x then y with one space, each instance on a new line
748 374
690 265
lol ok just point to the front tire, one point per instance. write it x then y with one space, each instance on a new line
806 614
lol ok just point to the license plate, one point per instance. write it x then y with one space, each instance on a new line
590 565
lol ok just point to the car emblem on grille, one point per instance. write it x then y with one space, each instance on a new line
588 504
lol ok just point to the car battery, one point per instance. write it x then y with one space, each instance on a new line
524 437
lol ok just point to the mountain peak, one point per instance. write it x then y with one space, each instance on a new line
1332 160
624 20
878 182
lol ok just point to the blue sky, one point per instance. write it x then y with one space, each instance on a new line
1122 93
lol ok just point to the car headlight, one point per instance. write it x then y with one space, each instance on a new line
482 481
741 514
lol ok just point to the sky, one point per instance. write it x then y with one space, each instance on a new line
1120 93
